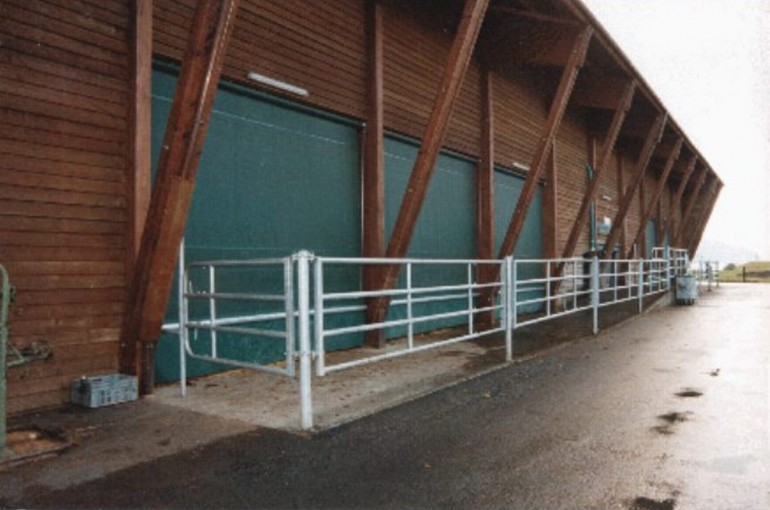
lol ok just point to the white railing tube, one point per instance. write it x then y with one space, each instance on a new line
641 285
318 319
505 296
303 302
288 292
409 309
595 293
182 311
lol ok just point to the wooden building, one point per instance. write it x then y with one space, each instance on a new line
461 128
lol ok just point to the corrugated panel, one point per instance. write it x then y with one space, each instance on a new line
63 80
445 229
507 188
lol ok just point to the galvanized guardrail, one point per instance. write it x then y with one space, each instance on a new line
312 309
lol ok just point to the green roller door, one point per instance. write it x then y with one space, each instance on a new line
507 188
272 180
445 228
651 237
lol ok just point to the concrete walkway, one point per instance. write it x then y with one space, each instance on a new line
670 409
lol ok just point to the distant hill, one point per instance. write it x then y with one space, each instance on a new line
724 253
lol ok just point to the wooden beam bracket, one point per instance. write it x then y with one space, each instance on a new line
653 137
422 171
150 283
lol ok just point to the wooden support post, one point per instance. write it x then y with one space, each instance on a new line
139 159
438 124
150 284
653 137
558 107
655 199
692 200
550 208
693 248
668 228
550 226
374 162
485 211
621 192
641 246
604 161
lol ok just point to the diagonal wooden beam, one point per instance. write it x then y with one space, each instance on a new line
374 155
655 199
693 248
653 137
604 162
668 227
417 187
150 283
558 107
702 204
692 200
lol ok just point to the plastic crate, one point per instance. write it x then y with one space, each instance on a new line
103 390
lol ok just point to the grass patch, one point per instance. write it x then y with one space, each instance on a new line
756 272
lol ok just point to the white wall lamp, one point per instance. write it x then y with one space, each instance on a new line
278 84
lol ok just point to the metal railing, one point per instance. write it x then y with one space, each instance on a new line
707 273
431 294
413 298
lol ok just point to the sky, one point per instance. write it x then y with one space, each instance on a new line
709 63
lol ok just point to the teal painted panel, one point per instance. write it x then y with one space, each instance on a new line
272 180
445 228
507 188
651 237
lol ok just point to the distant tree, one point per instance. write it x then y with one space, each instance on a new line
730 267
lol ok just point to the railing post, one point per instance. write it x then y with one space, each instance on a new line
506 308
514 292
213 310
595 297
547 288
318 318
303 302
470 298
182 312
409 310
641 285
288 298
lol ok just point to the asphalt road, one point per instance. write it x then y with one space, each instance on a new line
669 411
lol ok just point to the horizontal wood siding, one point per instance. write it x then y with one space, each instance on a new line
64 88
571 158
314 45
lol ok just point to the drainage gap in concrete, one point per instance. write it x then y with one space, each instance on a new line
642 503
689 393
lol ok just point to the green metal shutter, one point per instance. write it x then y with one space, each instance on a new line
507 188
445 229
651 237
272 180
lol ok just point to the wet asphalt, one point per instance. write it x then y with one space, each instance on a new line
669 411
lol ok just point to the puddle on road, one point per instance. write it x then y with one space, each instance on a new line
669 421
689 393
642 503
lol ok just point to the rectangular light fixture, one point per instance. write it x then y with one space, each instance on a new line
520 166
278 84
